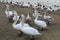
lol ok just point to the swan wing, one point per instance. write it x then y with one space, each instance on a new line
9 13
41 23
30 31
26 25
48 17
17 27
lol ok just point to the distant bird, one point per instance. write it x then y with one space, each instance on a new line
26 5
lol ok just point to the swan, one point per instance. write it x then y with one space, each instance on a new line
9 13
18 17
18 26
26 5
40 23
49 18
36 13
28 17
24 28
29 30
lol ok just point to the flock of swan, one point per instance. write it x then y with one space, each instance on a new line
33 5
12 15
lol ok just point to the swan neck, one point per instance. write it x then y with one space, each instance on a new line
15 21
44 14
22 21
7 7
36 17
28 14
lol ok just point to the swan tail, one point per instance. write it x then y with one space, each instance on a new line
39 34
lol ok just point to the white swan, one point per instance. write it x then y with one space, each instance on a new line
8 12
49 18
18 26
36 13
24 28
26 5
18 17
40 23
29 30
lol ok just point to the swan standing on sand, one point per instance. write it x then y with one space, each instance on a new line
29 30
18 26
9 13
40 23
18 17
49 18
25 29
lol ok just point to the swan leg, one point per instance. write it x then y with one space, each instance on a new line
42 28
20 35
48 23
28 22
32 38
10 20
38 29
